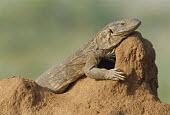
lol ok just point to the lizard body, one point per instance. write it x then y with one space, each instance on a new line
86 59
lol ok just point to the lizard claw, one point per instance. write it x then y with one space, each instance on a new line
116 74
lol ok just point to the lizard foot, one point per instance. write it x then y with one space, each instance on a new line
115 74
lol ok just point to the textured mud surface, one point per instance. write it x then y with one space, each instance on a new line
135 96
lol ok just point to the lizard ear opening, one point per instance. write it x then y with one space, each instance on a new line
107 63
111 31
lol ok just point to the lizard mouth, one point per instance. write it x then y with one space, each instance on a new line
129 29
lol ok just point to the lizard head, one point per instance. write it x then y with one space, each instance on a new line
113 33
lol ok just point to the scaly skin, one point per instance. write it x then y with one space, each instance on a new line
86 59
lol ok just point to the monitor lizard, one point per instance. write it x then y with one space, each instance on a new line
86 59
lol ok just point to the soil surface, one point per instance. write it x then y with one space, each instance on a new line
137 95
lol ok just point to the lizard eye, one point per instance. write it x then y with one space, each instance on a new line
122 24
110 30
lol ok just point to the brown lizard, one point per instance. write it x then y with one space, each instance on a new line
85 60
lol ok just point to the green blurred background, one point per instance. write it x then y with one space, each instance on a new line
37 34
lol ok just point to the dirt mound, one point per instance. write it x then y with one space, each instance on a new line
135 96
